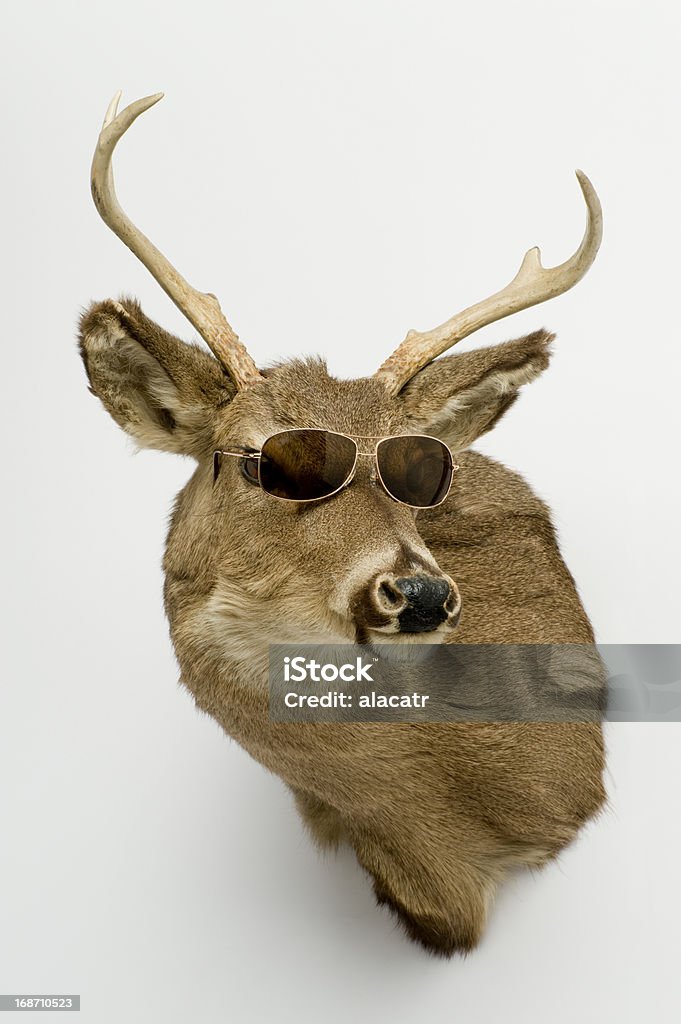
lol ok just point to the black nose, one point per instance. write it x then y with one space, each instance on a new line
429 601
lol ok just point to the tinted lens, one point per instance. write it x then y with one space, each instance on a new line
302 465
415 470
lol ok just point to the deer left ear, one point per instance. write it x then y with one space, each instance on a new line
160 390
462 396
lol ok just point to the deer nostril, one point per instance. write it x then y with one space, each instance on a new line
390 594
453 602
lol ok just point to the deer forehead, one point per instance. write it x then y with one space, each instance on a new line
301 393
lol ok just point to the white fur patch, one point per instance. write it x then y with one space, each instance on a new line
243 625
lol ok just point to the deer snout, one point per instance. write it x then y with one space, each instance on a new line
417 604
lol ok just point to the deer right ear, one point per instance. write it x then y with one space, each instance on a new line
160 390
460 397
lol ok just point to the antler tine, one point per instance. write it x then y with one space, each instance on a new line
201 309
532 284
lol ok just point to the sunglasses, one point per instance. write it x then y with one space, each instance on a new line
306 464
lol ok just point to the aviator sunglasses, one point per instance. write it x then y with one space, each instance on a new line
307 464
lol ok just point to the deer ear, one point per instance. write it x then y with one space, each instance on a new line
160 390
462 396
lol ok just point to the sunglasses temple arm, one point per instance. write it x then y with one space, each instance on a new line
217 459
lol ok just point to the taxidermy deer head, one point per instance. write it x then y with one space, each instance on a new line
326 510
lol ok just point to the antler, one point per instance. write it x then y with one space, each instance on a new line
532 284
200 308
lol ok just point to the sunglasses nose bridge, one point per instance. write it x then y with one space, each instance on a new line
373 473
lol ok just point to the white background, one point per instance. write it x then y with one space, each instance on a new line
338 173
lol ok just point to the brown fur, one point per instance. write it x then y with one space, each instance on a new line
437 813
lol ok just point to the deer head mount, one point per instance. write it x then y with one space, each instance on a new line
374 547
